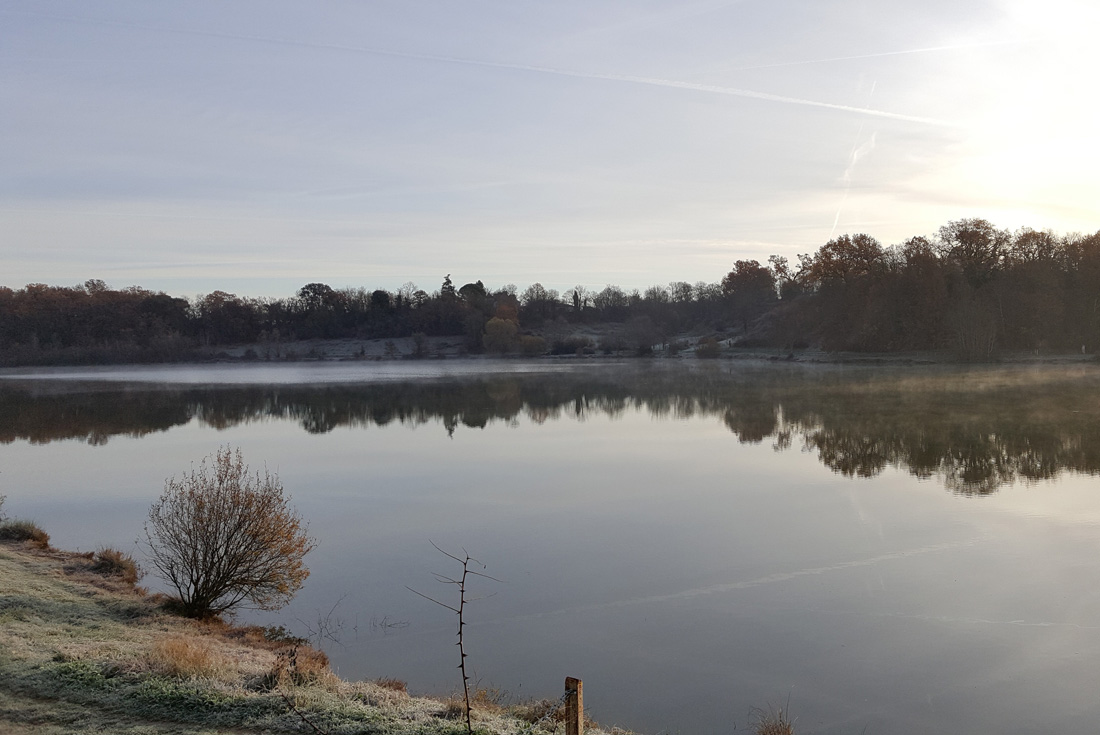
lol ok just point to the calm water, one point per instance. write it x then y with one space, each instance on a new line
894 551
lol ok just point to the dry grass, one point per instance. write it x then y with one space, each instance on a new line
374 695
188 658
301 665
771 721
534 710
393 685
495 702
454 708
490 699
114 563
28 531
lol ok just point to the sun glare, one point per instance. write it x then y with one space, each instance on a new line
1029 144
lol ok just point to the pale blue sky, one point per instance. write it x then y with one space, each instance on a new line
257 146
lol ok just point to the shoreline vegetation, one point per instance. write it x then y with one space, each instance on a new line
716 346
972 292
83 649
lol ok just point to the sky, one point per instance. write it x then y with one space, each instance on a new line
255 146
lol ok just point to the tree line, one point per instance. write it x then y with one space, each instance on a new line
972 288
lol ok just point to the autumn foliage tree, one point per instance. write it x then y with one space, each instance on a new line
222 536
501 335
750 290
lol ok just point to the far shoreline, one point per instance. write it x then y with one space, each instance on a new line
430 349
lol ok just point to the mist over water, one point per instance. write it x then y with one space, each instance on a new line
906 550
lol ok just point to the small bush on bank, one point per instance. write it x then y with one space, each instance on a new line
500 336
299 666
771 722
612 343
222 536
707 349
532 345
29 531
113 563
571 346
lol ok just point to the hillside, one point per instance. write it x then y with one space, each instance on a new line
83 652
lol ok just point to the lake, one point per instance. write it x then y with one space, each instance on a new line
890 550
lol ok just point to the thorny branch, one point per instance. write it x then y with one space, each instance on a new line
465 561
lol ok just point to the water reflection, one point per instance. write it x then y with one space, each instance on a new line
972 430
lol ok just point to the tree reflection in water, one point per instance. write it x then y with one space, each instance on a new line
973 430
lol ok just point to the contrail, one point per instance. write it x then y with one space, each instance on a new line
732 91
858 152
878 55
649 81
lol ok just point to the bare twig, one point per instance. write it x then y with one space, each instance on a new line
385 624
461 582
327 627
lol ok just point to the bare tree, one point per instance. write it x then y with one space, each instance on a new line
222 536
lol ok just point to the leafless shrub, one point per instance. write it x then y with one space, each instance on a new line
221 536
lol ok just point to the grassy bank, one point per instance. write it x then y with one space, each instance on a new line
85 651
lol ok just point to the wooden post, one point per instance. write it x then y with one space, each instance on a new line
574 707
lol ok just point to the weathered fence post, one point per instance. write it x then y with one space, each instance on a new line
574 707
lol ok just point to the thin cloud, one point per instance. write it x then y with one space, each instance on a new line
626 78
